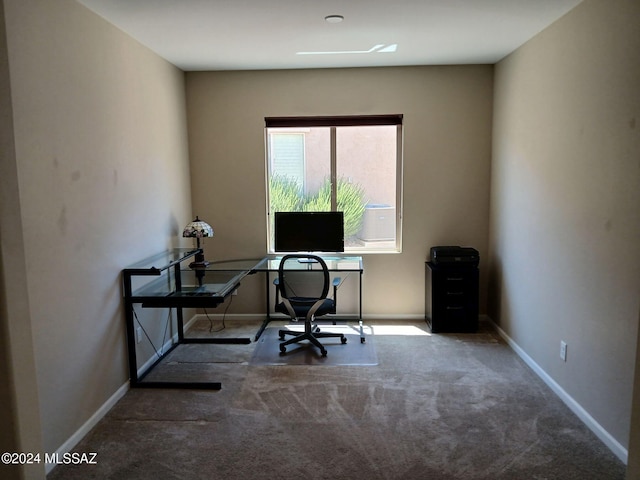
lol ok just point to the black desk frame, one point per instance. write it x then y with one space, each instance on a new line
177 299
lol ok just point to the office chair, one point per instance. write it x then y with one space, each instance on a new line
304 290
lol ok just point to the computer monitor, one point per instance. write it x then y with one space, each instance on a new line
309 232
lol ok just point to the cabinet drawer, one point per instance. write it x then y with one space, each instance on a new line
458 281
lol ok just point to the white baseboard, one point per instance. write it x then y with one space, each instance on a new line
74 439
573 405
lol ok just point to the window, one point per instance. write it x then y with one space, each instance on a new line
351 164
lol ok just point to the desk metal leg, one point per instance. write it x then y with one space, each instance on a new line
268 316
362 337
136 381
262 328
180 321
131 344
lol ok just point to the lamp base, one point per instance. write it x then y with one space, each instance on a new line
199 265
196 265
199 262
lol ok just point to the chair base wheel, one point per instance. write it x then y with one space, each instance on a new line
311 338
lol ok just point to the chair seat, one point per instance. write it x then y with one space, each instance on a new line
328 306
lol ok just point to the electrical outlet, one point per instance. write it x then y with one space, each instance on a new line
563 350
138 335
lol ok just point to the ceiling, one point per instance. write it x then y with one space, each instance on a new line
271 34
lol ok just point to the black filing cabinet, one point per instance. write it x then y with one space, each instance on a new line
451 300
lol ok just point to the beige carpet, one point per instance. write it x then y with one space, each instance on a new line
435 407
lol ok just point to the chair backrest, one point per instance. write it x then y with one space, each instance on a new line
303 276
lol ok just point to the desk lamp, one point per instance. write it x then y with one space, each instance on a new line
198 229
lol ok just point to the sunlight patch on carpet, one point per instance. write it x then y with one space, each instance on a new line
400 330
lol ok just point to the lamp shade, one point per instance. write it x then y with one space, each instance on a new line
198 229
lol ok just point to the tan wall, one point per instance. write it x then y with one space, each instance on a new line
103 180
565 222
19 412
447 136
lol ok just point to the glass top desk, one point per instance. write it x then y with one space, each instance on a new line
172 290
271 263
167 280
157 282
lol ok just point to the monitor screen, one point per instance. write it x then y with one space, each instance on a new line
309 231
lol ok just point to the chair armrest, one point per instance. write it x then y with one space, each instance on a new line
336 283
276 282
